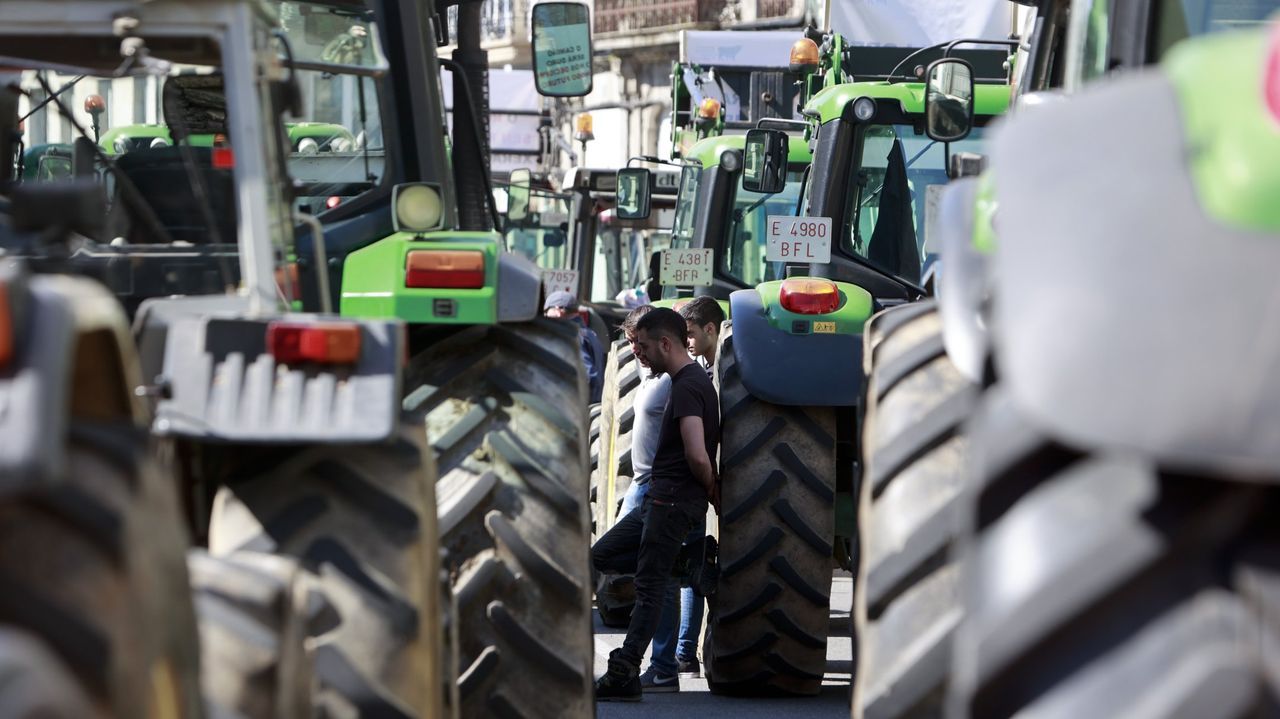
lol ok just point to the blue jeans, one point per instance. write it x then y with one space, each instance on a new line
667 643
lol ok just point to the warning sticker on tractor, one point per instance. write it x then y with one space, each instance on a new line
686 267
557 280
801 240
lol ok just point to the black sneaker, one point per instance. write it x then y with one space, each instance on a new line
620 684
652 681
687 668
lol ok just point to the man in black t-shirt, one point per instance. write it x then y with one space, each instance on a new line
682 481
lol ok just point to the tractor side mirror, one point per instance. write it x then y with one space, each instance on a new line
634 187
948 100
518 195
764 166
562 49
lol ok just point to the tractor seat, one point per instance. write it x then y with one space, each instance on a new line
163 180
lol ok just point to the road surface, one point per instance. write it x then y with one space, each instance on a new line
695 701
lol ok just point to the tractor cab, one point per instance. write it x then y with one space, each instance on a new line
200 211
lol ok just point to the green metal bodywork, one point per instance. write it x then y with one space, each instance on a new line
848 319
831 68
707 152
373 280
1230 133
984 214
296 131
830 103
138 132
682 135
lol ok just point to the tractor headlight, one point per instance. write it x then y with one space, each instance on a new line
158 142
418 207
308 146
122 145
731 160
864 108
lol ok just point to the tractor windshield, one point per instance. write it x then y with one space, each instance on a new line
744 251
886 203
156 191
686 206
543 234
336 150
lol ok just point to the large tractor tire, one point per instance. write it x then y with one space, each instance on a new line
593 438
906 604
360 520
1103 585
617 418
506 413
36 684
616 594
253 611
93 567
767 630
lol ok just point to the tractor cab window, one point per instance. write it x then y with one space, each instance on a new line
686 206
159 147
336 150
885 222
542 235
744 251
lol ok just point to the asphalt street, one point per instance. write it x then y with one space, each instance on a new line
695 699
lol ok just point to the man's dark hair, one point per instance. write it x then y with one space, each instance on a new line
703 311
629 324
663 321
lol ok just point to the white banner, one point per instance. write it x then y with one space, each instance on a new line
919 23
736 48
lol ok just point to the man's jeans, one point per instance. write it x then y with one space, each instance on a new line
685 602
646 543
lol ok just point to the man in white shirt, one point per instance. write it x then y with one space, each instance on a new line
650 403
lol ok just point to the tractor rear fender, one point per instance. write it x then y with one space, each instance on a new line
812 370
1142 323
962 278
219 382
519 288
72 359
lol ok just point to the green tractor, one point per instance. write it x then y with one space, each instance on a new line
927 364
799 290
275 438
304 138
306 446
500 389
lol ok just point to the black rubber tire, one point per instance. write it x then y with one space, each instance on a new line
1098 585
767 628
913 450
617 417
253 612
93 566
360 520
36 684
593 437
506 411
615 594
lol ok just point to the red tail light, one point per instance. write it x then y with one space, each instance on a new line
325 343
809 296
223 158
444 269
